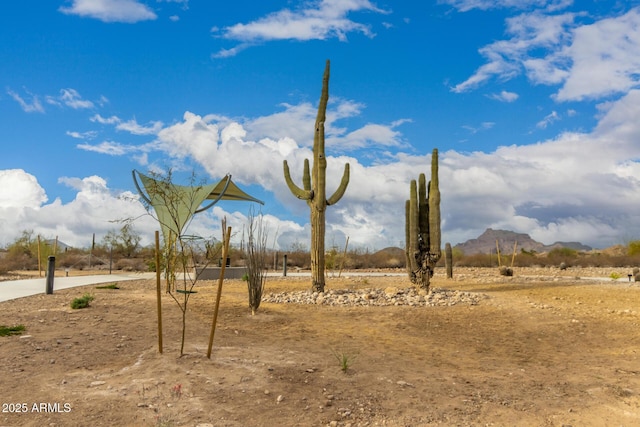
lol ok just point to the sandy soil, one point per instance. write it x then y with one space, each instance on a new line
539 350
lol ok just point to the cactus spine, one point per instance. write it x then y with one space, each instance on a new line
313 189
422 227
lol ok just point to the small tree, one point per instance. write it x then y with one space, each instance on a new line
23 252
179 250
126 242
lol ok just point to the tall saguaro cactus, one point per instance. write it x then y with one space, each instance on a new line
422 228
313 189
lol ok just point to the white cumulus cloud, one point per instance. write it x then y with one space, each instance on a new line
128 11
316 20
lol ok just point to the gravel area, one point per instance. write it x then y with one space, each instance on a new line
377 297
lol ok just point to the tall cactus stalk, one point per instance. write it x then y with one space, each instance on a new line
422 228
448 260
314 192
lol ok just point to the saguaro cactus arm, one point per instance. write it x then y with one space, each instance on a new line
305 193
341 188
414 227
434 209
423 208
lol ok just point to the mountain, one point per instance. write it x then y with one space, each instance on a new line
486 243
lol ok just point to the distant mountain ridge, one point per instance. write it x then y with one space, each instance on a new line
486 243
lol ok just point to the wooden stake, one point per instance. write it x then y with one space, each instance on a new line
513 257
344 256
39 259
498 249
158 294
225 252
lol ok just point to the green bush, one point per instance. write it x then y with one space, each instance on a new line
111 286
82 302
11 330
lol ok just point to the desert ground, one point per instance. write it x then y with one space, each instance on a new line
542 348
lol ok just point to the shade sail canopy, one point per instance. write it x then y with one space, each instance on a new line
232 192
175 204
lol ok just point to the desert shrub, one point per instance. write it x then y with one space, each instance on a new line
299 259
151 265
478 260
386 258
18 261
559 255
633 248
526 259
124 242
111 286
81 302
11 330
602 260
131 264
506 271
332 259
78 261
257 260
392 262
358 260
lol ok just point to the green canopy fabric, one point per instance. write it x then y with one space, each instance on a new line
175 204
232 192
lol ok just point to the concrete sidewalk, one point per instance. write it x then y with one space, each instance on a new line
12 289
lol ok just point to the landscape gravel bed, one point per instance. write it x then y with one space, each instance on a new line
390 296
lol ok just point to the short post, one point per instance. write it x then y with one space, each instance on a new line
284 265
51 271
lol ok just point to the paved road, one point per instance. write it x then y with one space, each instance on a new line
12 289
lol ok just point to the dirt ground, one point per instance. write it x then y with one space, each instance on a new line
540 350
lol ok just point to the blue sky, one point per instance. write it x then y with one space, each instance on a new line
533 105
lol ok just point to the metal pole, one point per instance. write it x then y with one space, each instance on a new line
51 271
284 265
